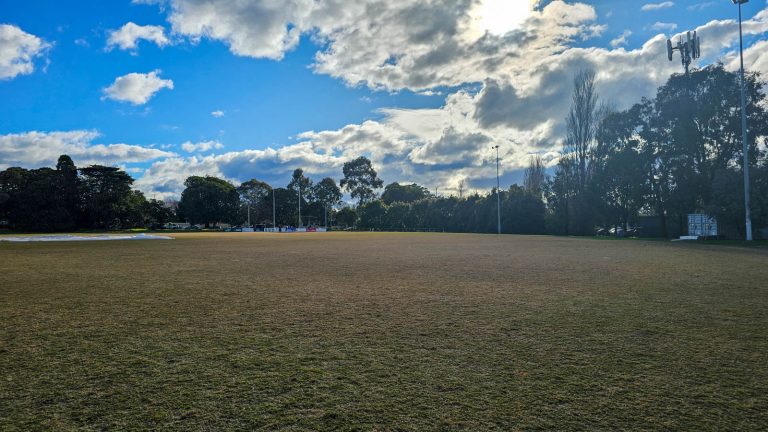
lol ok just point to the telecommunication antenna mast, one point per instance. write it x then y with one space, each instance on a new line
690 49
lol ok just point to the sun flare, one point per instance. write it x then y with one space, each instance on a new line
501 16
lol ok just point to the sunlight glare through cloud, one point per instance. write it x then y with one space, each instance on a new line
501 16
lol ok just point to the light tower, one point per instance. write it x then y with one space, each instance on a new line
498 192
689 48
745 142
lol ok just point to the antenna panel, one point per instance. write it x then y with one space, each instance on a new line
669 49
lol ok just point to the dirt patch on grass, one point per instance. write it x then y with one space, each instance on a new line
382 332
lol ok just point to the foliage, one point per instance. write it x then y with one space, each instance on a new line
395 192
209 200
67 198
676 154
361 180
256 197
346 217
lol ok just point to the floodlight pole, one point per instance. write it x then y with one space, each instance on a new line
745 150
299 205
274 213
498 193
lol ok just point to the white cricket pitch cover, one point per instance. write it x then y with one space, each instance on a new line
69 237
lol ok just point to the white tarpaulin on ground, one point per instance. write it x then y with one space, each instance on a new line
69 237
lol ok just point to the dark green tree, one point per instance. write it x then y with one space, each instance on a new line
395 192
103 191
301 186
346 217
256 195
328 195
361 180
209 200
372 215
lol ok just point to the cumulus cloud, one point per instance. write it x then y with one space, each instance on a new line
202 146
656 6
403 147
523 79
137 88
388 45
128 36
621 39
520 103
18 51
34 149
218 113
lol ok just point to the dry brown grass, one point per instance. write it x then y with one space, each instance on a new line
382 332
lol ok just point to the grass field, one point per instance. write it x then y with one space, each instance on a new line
382 332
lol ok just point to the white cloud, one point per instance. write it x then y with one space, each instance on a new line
137 88
520 106
202 146
663 26
701 6
409 44
524 75
218 113
34 149
127 36
18 51
262 29
657 6
621 39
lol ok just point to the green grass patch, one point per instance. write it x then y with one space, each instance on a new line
382 331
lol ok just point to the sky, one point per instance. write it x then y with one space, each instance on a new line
256 88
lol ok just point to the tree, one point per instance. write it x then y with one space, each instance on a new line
346 217
157 214
38 204
361 180
256 197
574 210
395 192
104 190
301 186
372 215
286 207
462 187
328 194
523 212
12 182
535 176
209 200
581 125
70 186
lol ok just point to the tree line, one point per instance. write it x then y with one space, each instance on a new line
663 158
677 153
69 198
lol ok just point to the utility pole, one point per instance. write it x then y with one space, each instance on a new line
498 193
745 143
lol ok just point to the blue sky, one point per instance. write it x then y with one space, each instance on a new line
311 84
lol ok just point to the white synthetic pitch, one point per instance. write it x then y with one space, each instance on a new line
69 237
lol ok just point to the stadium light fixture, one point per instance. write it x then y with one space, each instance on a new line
745 150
